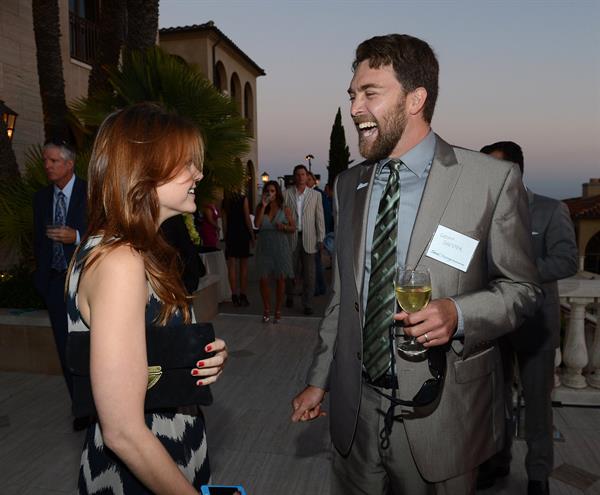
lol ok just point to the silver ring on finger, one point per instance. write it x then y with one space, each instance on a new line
426 338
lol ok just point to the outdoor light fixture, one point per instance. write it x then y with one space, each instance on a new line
9 117
309 157
264 177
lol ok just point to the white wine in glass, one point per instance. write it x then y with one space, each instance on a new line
413 293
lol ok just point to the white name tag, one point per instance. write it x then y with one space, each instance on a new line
452 248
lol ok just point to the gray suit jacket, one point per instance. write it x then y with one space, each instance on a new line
479 197
313 223
555 251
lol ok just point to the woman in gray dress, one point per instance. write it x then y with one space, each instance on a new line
273 254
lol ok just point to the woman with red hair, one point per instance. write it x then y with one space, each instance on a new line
144 167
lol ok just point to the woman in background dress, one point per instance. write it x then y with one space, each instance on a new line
273 255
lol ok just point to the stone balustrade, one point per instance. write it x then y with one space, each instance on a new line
578 360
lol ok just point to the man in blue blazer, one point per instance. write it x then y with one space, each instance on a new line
59 223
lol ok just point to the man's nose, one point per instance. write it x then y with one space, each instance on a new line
357 106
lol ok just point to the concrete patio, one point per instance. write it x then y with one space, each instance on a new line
251 440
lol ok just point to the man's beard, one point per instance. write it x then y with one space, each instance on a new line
389 132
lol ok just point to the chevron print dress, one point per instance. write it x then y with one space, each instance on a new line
180 431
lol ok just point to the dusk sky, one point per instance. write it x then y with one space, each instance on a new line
522 71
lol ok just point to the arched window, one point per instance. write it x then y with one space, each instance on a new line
236 91
592 255
220 77
249 109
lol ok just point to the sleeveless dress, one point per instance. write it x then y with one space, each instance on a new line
237 237
182 435
273 253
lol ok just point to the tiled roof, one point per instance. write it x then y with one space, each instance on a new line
210 26
588 207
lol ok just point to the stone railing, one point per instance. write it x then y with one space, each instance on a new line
578 360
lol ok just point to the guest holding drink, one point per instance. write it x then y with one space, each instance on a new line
143 170
273 254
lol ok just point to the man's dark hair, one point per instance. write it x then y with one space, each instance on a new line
412 59
300 166
510 150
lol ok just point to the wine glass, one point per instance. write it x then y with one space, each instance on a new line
413 292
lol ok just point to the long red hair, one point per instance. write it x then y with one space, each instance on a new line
136 150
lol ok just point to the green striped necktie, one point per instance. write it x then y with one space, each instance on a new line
380 299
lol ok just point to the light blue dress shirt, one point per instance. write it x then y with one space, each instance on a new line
414 171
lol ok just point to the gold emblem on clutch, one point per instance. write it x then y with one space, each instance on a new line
154 374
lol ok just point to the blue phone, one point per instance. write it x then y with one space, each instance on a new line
222 490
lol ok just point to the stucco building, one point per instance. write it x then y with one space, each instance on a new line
217 56
19 85
231 71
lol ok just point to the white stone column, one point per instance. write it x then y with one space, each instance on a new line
593 378
575 354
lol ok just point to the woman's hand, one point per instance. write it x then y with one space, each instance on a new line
266 199
208 370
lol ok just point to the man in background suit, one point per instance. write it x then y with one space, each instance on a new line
59 223
307 208
534 343
417 201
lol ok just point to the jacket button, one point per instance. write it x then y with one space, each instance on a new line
356 306
358 356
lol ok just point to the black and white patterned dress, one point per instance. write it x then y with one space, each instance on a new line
182 434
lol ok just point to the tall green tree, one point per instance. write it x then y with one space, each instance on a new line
111 35
142 24
339 153
46 28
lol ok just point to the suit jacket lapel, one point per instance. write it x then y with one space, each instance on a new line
359 217
443 176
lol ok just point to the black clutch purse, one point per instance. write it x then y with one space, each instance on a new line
172 352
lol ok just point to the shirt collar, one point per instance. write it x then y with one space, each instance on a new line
418 158
67 190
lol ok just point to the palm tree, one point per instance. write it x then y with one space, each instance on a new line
142 24
111 34
154 75
46 27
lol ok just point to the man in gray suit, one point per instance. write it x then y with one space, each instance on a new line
417 200
534 343
306 206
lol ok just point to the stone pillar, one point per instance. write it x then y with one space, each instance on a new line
575 354
593 378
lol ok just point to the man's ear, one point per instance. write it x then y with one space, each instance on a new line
415 101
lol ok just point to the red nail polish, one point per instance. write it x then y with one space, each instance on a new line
195 372
200 364
208 348
199 382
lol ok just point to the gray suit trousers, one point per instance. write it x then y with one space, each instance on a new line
371 470
304 269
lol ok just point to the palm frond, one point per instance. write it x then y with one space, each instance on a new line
154 75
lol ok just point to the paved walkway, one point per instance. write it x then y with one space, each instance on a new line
251 440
